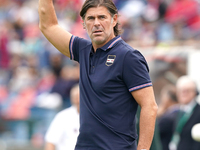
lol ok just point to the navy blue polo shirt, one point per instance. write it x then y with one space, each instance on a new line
107 108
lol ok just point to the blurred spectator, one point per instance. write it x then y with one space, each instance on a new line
188 115
167 112
67 78
4 54
63 131
51 99
21 93
168 100
184 16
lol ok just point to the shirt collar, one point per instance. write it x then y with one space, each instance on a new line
111 43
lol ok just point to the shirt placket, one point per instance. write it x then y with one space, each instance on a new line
93 62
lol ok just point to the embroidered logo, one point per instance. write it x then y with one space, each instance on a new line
110 60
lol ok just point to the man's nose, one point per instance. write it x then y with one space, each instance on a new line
96 22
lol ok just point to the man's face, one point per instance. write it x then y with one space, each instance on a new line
99 25
186 93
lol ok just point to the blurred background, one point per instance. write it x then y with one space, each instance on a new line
35 79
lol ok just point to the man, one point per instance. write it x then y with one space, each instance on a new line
167 112
63 131
114 79
188 115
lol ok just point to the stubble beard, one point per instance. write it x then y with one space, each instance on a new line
101 39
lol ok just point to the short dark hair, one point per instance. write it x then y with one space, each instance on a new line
106 3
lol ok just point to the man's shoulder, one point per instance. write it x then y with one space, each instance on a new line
127 47
131 52
196 114
81 41
198 107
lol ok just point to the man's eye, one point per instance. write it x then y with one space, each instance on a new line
90 18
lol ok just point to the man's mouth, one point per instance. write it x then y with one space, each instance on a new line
97 31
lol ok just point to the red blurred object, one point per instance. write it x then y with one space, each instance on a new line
19 109
4 55
31 31
77 29
75 4
3 94
181 10
194 23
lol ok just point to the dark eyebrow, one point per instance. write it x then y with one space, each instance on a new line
90 17
102 16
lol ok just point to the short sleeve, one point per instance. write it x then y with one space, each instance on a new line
135 71
76 44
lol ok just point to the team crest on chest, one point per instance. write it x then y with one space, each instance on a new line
110 60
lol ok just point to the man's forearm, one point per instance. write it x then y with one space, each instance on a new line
50 28
47 14
146 127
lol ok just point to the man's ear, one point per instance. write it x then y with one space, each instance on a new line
115 20
83 23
